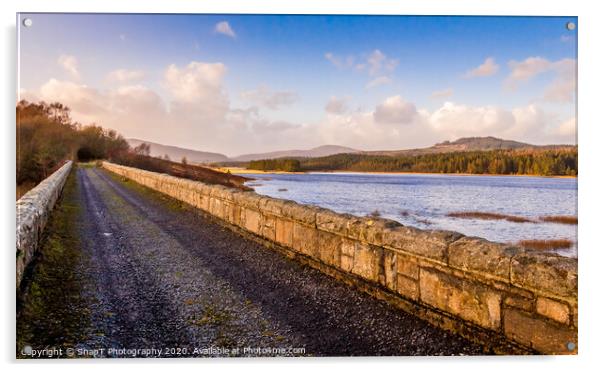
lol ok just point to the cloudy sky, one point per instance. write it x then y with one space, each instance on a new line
236 84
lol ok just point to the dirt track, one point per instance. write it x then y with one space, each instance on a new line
148 272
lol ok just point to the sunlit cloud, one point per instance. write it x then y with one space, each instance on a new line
561 89
224 28
442 94
125 76
487 68
381 80
69 64
265 97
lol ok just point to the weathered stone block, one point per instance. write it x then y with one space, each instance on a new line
204 203
272 206
247 199
268 227
284 232
367 261
407 266
553 309
234 214
329 246
390 269
330 221
481 255
519 302
544 336
470 301
216 207
300 213
251 220
305 240
408 287
347 252
545 272
370 230
431 243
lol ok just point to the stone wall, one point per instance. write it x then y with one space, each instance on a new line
33 210
510 298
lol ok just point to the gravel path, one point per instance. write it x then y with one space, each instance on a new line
158 274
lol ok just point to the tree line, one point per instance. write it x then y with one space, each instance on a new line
285 165
548 162
47 136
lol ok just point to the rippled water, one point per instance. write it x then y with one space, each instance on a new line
424 201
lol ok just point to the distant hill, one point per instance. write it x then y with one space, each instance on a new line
319 151
482 143
176 153
467 144
459 145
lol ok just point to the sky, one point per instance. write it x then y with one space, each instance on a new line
238 84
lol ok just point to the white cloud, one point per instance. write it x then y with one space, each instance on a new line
196 112
564 86
224 28
379 63
561 89
336 105
125 76
487 68
529 123
462 120
271 99
567 130
69 64
565 38
442 94
339 62
527 69
395 110
80 98
196 82
376 64
381 80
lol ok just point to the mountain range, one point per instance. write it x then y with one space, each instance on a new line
463 144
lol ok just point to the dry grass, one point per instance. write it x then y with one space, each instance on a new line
546 244
489 216
567 220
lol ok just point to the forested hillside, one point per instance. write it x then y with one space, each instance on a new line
556 162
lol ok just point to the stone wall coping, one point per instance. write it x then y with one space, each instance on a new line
544 273
33 210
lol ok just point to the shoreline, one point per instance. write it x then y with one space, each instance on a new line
235 170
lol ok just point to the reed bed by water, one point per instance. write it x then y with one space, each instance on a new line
566 220
546 244
490 216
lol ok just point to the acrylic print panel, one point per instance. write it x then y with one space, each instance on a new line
279 185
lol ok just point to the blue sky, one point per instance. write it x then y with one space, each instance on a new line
263 82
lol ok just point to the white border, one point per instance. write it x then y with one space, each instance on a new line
589 173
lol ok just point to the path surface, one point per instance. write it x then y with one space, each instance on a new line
157 274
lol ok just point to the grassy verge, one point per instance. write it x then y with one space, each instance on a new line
50 308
